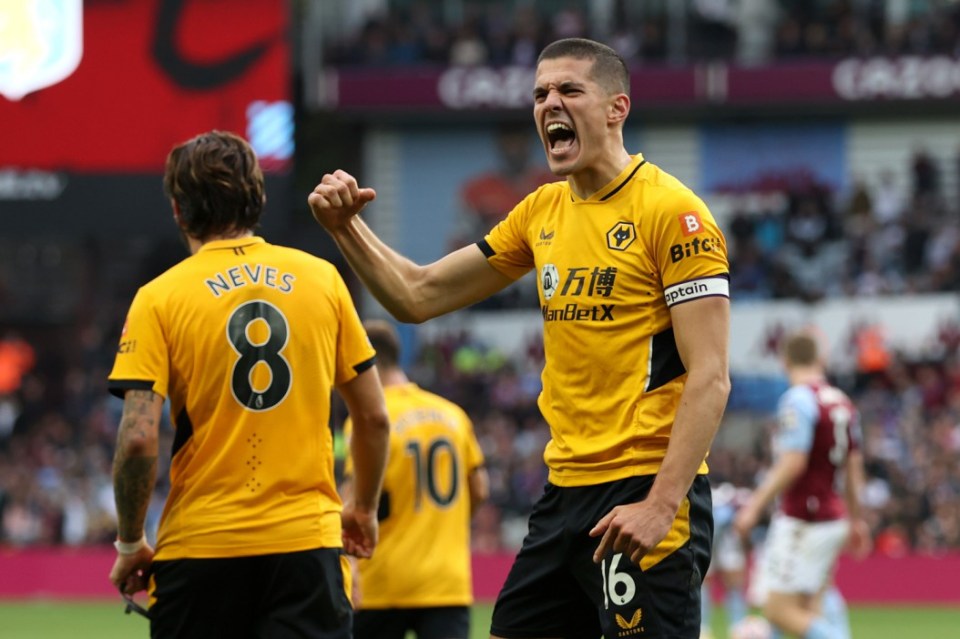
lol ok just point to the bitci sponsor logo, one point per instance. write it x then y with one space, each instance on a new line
696 246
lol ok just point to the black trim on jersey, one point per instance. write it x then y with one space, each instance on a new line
665 362
237 250
362 366
383 508
487 250
119 387
183 434
624 183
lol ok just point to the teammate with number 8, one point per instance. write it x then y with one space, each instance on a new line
247 340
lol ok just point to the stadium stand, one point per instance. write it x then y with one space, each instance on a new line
511 33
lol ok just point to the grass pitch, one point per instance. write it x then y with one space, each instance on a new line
105 620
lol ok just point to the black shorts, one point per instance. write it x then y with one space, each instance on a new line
299 594
442 622
555 590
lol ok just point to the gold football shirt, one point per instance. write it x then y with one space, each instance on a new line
423 556
247 340
609 268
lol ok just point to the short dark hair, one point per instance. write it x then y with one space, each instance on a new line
801 349
384 339
217 183
609 70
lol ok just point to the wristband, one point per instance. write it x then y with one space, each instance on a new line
130 547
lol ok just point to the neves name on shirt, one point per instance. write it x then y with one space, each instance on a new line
245 274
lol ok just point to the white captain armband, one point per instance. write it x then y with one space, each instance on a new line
712 286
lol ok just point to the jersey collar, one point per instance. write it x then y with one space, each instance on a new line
617 183
240 242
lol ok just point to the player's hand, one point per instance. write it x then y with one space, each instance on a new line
337 199
130 573
360 531
745 521
860 542
633 529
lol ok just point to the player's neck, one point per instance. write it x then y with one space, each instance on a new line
393 376
805 375
194 243
600 173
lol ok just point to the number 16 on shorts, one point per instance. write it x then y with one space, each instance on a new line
617 586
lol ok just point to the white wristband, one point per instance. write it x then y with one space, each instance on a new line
130 547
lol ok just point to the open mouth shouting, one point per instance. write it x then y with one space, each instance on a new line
561 139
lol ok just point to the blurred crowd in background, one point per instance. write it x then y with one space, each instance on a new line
58 424
886 236
898 234
504 33
58 428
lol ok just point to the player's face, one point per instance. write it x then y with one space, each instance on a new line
570 110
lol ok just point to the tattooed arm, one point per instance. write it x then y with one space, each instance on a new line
134 476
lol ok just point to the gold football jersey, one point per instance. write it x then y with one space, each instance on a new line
423 556
247 340
609 268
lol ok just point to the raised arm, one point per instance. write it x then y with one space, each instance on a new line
410 292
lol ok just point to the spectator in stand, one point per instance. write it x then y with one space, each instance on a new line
713 32
468 49
926 173
755 20
569 22
528 38
750 31
749 272
16 359
888 199
489 196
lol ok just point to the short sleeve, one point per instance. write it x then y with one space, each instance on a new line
690 250
354 352
797 417
142 361
506 246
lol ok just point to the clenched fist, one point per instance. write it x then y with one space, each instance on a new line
337 199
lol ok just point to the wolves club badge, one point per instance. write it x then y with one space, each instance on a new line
549 280
41 43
